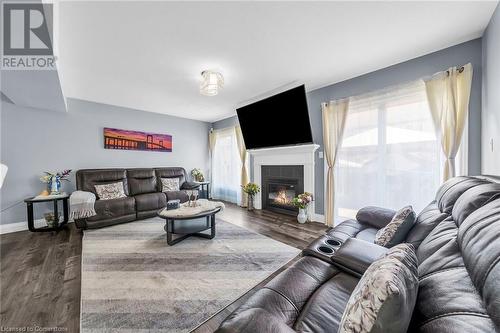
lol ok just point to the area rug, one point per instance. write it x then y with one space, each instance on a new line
132 281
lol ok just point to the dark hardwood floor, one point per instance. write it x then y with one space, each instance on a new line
40 273
40 279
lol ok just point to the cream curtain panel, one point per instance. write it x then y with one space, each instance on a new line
243 157
448 94
212 139
334 118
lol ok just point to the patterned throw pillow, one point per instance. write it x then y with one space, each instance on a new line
384 298
110 191
395 231
170 184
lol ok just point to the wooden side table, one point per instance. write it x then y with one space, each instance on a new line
31 219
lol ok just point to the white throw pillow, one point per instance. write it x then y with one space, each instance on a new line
385 296
170 184
110 191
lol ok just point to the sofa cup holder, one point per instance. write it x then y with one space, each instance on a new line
325 249
333 242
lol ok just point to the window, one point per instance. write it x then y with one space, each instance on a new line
226 166
390 156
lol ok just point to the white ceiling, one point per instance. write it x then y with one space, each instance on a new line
149 55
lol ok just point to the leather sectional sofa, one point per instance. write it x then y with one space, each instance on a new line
143 190
457 242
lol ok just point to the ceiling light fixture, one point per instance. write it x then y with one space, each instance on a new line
211 83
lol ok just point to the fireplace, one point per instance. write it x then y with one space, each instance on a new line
280 184
280 193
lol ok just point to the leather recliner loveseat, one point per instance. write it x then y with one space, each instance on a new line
457 242
143 188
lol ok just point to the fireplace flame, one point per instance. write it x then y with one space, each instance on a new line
282 198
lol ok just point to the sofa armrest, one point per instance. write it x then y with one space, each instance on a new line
254 320
190 186
355 255
376 217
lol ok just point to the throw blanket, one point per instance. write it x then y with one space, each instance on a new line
184 210
81 204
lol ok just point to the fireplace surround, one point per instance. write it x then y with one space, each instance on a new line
280 184
302 155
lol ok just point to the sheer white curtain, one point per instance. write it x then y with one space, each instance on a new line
226 166
390 155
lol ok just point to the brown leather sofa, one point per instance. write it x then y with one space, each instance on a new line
143 190
457 242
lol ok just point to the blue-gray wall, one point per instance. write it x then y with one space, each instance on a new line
225 123
36 140
407 71
491 97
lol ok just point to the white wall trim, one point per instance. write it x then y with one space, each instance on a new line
290 155
319 218
21 226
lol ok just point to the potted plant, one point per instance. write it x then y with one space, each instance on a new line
197 175
53 180
251 189
301 202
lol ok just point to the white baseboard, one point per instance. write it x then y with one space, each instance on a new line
21 226
318 218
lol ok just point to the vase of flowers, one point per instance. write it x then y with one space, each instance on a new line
301 202
302 216
197 175
53 180
251 189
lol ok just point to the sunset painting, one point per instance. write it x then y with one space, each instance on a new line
135 140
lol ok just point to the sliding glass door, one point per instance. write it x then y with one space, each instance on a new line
226 167
390 156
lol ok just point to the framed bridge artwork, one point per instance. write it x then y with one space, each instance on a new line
134 140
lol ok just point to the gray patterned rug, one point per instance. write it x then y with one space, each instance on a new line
132 281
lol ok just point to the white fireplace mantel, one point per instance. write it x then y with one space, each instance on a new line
289 155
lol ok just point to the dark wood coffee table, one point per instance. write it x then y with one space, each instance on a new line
189 225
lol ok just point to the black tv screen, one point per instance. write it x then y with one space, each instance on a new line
280 120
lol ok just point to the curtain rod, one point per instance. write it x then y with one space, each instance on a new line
460 70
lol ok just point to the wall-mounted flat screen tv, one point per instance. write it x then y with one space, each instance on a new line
280 120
